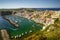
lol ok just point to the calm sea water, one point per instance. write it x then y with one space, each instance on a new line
46 9
4 24
25 25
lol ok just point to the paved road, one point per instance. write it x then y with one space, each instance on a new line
5 35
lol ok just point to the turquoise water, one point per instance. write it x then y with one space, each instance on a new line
25 25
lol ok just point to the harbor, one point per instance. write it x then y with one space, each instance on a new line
25 26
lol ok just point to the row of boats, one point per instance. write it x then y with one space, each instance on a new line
17 36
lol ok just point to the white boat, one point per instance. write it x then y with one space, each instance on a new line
22 33
30 31
25 32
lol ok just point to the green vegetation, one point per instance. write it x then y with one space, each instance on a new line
51 35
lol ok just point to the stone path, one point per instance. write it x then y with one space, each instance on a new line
5 35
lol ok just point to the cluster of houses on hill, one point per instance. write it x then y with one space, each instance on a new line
46 17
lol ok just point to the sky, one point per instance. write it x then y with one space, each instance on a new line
29 4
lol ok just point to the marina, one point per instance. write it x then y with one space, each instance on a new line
25 26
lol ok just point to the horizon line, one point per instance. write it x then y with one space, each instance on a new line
21 7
